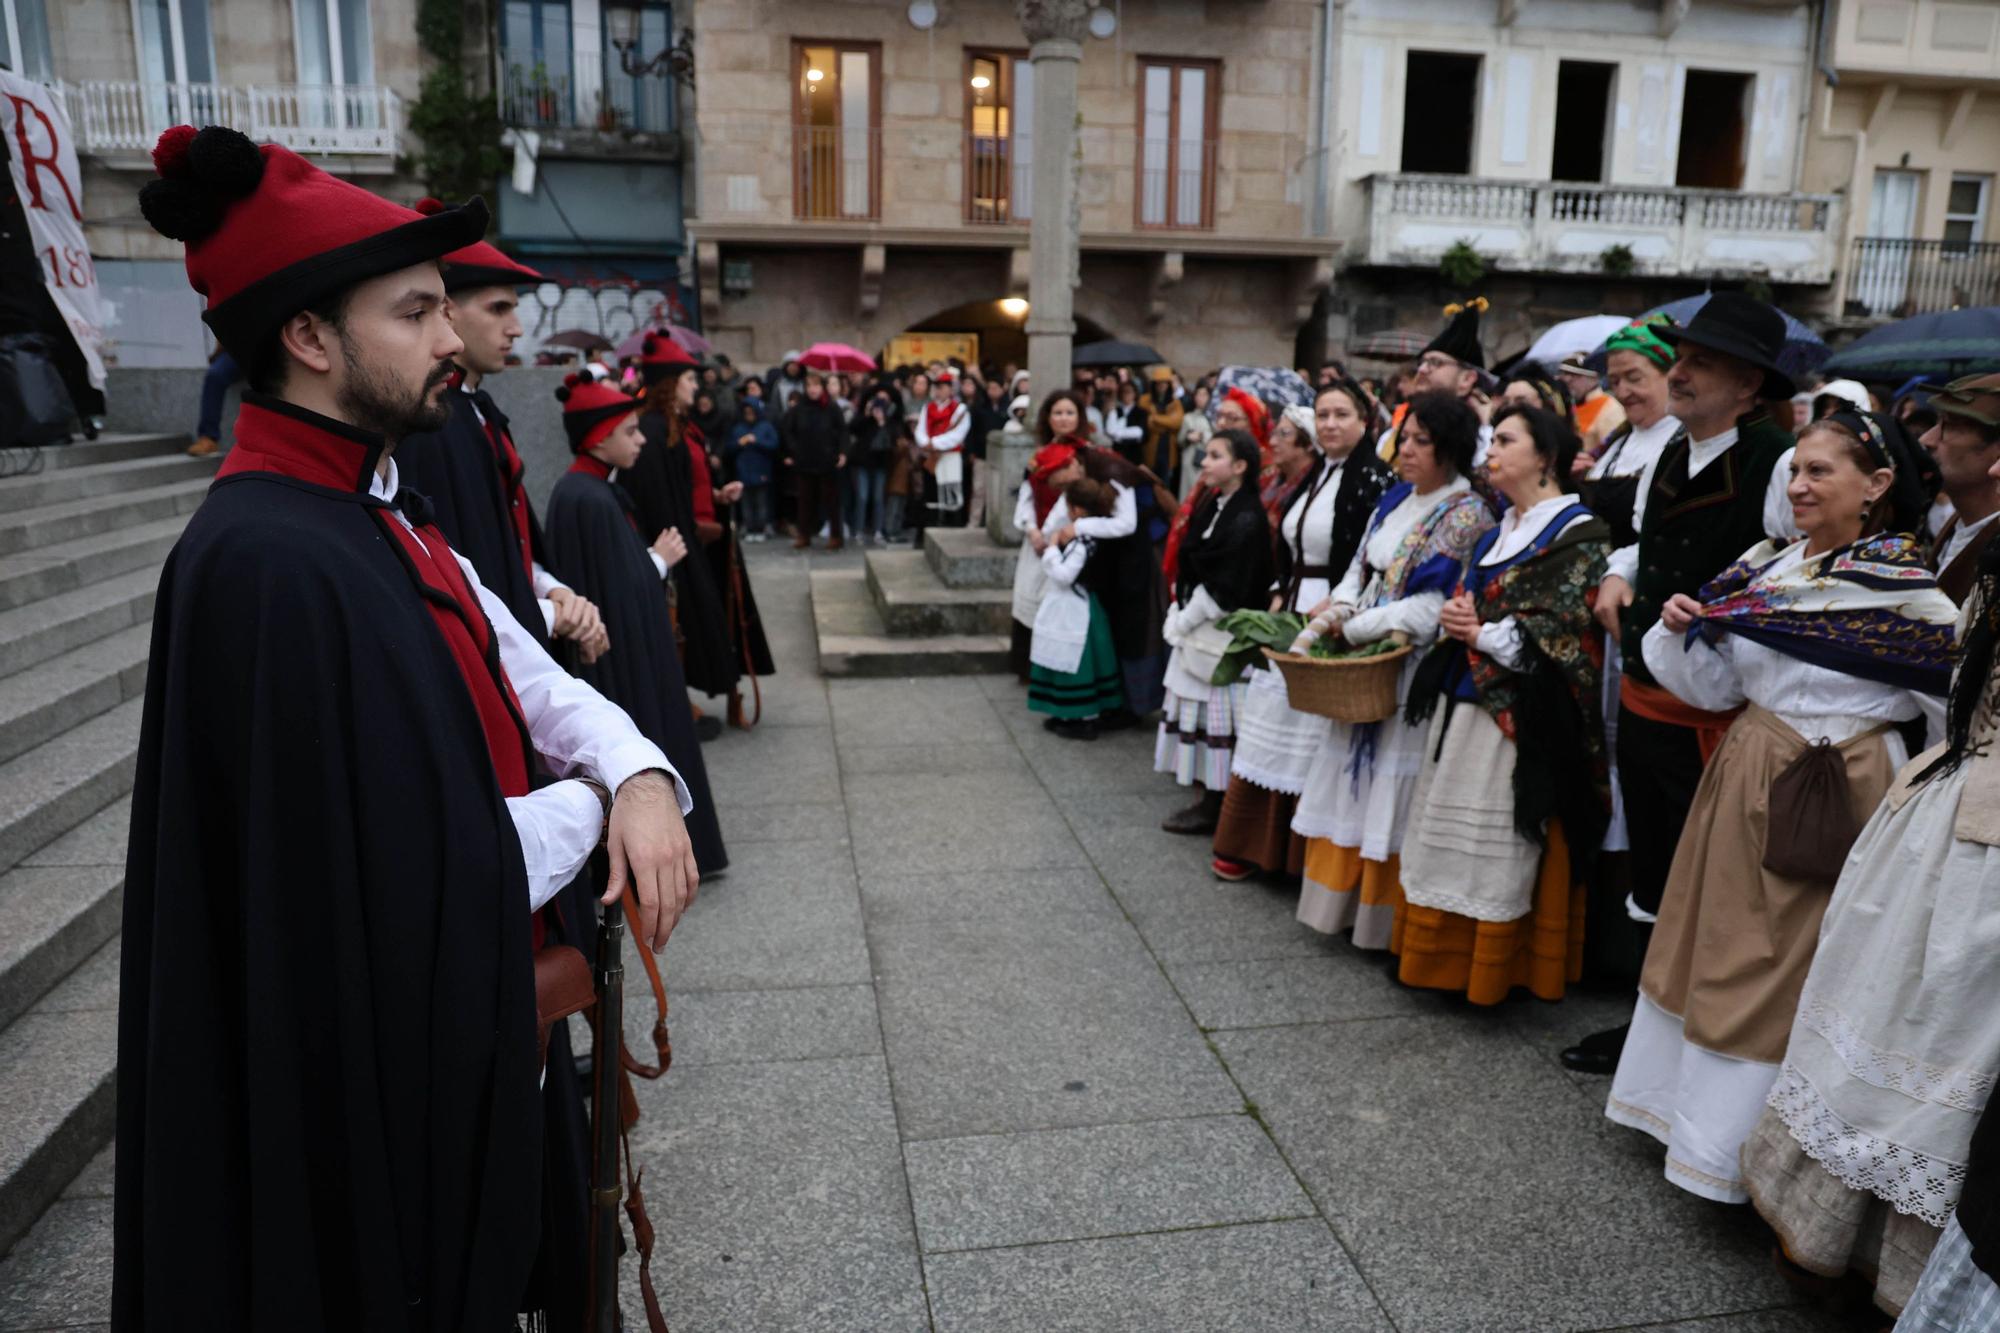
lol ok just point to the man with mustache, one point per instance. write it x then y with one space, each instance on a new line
328 1105
1717 489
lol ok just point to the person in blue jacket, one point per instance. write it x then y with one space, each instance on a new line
751 454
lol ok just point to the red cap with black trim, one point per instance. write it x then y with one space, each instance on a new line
481 264
592 409
269 234
660 356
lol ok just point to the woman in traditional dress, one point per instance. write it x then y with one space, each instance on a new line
1512 800
1316 539
1038 508
1530 386
1225 564
1825 643
1858 1158
1356 798
1074 671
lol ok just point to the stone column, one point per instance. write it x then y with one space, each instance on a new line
1055 30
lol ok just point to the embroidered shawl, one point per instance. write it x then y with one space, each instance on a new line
1871 609
1433 553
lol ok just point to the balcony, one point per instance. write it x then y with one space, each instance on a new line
360 125
836 173
1894 279
1547 227
592 113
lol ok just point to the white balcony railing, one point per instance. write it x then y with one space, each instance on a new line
113 116
1545 226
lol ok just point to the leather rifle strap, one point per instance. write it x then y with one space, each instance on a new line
663 1046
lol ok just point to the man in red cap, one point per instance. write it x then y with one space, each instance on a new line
328 1112
470 471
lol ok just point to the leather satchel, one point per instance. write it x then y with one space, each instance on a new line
1812 826
563 986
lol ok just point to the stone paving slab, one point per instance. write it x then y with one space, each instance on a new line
1102 1180
1269 1278
743 1026
59 1276
786 914
1476 1189
912 712
980 894
944 758
1264 992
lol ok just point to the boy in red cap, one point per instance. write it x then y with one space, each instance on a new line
328 1112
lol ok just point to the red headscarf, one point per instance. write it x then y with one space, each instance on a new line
1049 459
1270 484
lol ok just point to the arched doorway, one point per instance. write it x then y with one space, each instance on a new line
998 325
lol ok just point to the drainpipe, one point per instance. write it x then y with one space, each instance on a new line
1858 160
1322 98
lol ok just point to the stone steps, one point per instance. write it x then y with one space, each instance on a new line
112 447
913 601
49 790
59 485
969 558
67 566
59 906
853 641
45 525
51 697
56 625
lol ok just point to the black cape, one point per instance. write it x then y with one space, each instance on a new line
457 471
327 1105
596 551
661 488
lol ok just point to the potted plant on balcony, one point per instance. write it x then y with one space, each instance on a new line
609 115
1617 261
542 93
1462 266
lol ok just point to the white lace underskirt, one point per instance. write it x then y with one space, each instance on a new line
1275 743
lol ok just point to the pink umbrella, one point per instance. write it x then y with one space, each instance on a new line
691 342
836 356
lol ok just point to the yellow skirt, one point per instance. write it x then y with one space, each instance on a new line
1488 959
1344 889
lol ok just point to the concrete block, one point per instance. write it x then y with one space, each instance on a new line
969 558
913 602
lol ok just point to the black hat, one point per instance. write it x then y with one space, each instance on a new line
1739 326
1460 339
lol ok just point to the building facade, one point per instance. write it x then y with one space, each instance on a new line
1909 128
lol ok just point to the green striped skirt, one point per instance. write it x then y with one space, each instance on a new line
1096 686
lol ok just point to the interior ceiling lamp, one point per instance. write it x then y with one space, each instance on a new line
1103 22
1013 307
815 75
981 82
923 14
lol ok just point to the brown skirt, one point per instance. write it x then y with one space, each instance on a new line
1256 828
1486 960
1734 941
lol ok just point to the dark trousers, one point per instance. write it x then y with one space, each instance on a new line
819 502
222 372
1659 766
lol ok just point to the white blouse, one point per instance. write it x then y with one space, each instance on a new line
1309 528
1369 613
1811 700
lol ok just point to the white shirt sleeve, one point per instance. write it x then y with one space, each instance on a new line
1415 615
1703 675
545 582
660 565
1201 608
558 828
1624 562
1024 508
1122 522
1778 523
1064 564
1122 428
1501 641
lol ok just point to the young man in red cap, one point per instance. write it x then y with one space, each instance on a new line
328 1107
470 471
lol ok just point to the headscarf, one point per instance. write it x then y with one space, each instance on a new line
1303 422
1270 483
1643 336
1888 445
1047 460
1258 414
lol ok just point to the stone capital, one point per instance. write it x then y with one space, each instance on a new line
1066 21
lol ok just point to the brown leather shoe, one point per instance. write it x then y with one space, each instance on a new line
1197 818
835 543
204 446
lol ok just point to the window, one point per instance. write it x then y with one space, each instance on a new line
1965 213
24 39
835 138
643 103
335 52
1583 120
177 62
1440 112
535 48
999 136
1715 123
1177 134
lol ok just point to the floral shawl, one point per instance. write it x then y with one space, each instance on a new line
1871 609
1432 555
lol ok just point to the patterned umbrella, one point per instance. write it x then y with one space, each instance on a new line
1802 353
1275 386
1940 347
1390 345
836 356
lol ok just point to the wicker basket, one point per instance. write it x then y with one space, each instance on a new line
1355 689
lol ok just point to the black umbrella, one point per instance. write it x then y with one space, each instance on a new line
1111 352
1941 347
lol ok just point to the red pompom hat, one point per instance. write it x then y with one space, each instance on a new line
269 234
480 264
660 356
592 409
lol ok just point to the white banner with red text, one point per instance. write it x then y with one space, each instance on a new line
41 152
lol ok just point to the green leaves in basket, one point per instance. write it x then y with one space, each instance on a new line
1251 631
1330 649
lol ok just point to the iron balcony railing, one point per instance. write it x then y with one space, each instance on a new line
836 173
116 116
1891 276
609 102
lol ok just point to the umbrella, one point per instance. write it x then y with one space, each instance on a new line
836 356
1802 353
581 339
1275 385
1111 352
1390 345
1941 347
1574 337
691 342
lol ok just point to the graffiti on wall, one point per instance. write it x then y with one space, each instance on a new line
613 309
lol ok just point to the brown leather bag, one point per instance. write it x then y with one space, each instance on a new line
1812 826
563 986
